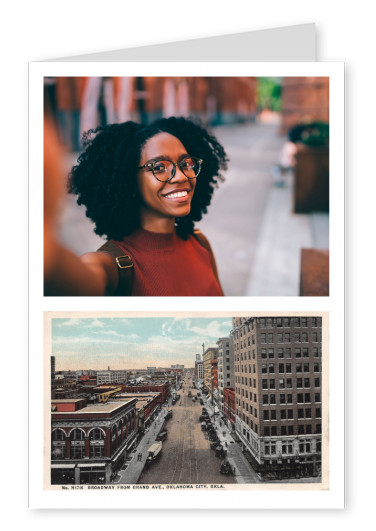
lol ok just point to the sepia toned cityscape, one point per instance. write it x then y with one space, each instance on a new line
186 400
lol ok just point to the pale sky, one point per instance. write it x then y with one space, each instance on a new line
132 342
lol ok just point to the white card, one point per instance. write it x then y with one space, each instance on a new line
251 55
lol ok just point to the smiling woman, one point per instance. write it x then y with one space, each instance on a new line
144 187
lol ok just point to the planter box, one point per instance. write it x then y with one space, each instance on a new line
311 184
314 273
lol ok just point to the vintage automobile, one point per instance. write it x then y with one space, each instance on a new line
168 414
225 468
220 451
154 453
203 426
162 435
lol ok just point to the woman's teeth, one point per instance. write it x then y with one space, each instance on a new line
176 194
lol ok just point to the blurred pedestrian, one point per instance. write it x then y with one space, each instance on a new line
144 187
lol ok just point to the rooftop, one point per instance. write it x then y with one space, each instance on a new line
98 407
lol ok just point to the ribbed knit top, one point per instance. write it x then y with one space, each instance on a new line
166 265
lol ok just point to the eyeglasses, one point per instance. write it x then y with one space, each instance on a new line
165 170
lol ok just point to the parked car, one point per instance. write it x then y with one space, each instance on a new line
203 426
220 451
168 414
225 468
162 436
214 444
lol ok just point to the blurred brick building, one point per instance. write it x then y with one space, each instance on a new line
81 103
304 100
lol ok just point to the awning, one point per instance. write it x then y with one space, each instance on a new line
131 442
89 465
65 465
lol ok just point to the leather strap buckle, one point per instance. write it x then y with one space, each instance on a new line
127 263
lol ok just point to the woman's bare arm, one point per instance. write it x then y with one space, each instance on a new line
64 272
67 274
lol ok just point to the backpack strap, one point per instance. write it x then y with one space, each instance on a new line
204 242
125 267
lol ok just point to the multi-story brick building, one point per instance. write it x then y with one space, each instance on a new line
162 387
147 406
304 100
278 392
63 386
209 355
89 442
225 367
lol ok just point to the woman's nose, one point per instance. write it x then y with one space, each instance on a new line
177 175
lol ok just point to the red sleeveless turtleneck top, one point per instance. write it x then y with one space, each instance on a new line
166 265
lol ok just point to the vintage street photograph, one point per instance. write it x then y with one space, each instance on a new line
186 400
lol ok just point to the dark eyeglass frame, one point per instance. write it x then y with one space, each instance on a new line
150 166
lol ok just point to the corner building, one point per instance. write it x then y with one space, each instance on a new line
89 442
278 393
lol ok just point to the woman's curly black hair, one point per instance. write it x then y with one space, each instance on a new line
105 177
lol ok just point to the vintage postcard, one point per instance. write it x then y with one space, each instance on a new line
186 402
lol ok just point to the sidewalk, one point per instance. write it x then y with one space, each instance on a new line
131 471
255 235
243 473
276 265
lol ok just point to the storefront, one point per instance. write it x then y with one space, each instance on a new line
62 474
90 473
